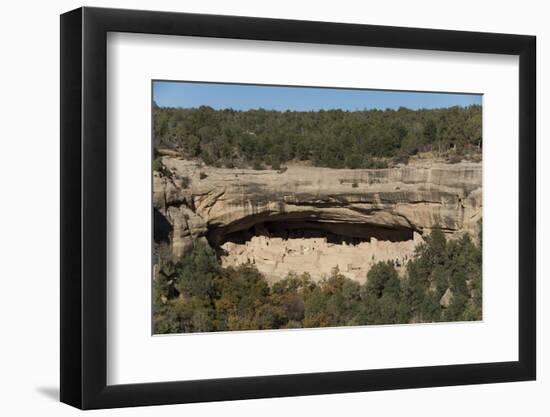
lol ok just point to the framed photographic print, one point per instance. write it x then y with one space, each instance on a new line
258 207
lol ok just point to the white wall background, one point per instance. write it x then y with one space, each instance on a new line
29 217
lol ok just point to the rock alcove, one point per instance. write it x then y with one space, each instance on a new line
311 219
305 245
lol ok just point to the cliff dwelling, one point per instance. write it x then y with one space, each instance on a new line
279 247
311 219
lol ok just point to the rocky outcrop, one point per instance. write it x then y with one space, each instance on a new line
220 205
446 299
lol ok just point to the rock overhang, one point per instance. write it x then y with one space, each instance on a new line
218 202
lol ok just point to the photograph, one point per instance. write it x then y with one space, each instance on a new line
285 207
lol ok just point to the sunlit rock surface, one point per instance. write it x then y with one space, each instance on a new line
310 219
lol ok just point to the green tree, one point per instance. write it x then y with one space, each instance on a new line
382 296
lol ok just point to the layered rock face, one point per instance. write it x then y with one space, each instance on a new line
310 219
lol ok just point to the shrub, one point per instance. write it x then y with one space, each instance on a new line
373 163
202 175
258 166
185 182
157 165
454 159
401 159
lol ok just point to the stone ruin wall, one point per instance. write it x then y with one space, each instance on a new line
275 257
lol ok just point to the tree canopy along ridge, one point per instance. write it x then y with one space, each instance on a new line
328 138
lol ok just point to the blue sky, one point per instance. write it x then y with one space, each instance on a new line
245 97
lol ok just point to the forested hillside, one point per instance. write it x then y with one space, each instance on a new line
195 294
332 138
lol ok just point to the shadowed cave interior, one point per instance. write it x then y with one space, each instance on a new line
333 232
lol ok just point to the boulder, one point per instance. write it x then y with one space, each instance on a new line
446 299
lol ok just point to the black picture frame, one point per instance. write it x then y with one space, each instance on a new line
84 207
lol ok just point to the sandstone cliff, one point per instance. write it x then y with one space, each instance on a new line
398 205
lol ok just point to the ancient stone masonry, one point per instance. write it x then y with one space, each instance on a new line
276 257
310 219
